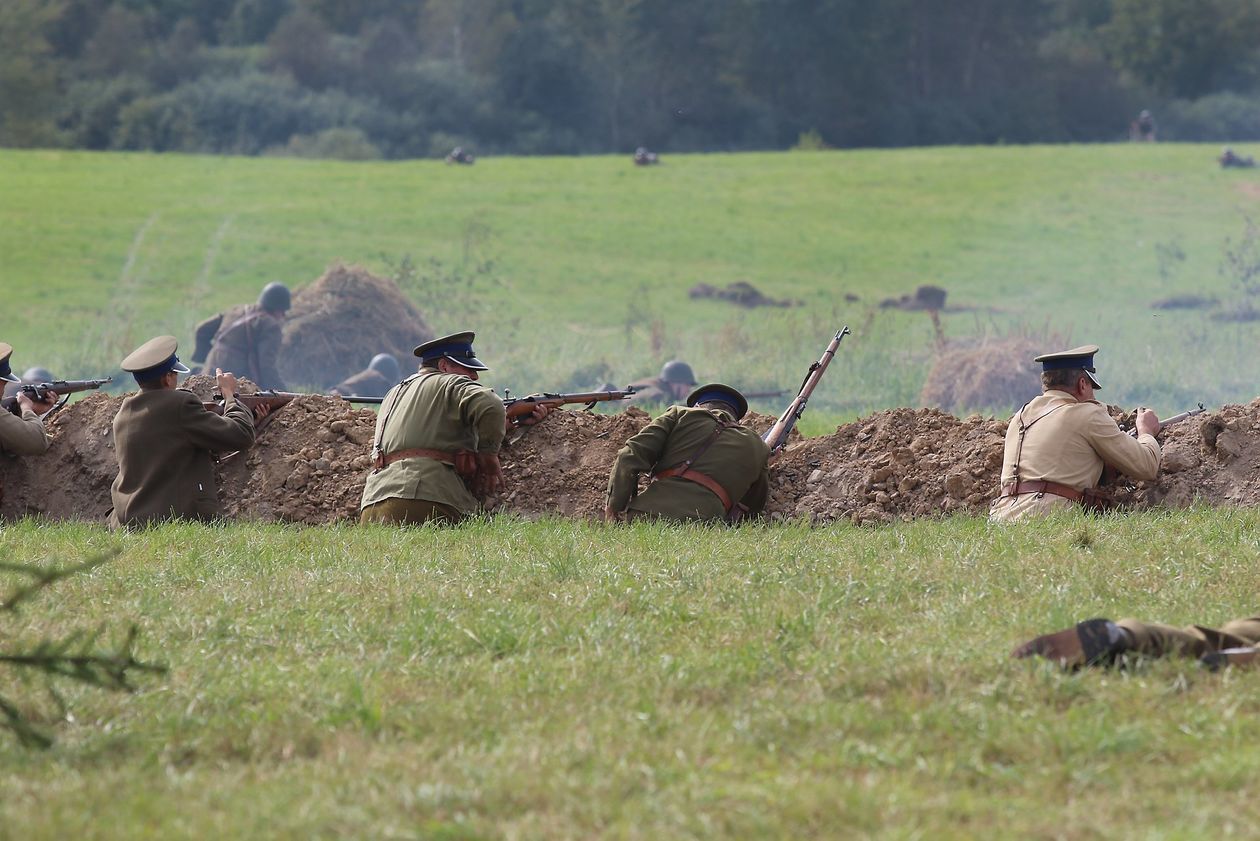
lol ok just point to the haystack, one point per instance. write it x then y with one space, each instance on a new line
339 322
998 375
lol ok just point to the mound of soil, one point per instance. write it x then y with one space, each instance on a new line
1184 302
999 375
740 293
339 322
926 297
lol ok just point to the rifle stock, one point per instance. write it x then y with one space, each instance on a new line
520 406
58 388
777 436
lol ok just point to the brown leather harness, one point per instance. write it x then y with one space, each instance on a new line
1094 499
685 471
464 461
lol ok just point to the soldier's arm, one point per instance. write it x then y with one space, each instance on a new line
205 336
1137 458
481 408
639 455
268 347
234 430
22 436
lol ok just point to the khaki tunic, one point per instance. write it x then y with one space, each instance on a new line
432 411
164 440
1069 442
366 383
1157 640
245 340
24 436
736 461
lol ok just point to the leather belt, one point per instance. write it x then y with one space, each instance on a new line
387 459
1042 487
701 479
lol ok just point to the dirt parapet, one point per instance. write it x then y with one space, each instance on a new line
339 322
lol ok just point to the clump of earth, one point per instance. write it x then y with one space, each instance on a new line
339 322
311 460
741 293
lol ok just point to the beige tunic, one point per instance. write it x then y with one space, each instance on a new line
22 436
1069 442
444 412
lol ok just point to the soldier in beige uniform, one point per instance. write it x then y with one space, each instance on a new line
22 435
165 438
1058 444
1101 642
704 464
437 440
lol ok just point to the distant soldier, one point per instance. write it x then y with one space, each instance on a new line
704 465
1101 642
1143 128
1058 444
1229 159
165 438
247 338
381 374
642 157
672 386
459 155
437 441
22 435
32 376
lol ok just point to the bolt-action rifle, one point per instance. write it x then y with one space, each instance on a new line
58 388
760 395
777 436
1174 420
274 400
519 407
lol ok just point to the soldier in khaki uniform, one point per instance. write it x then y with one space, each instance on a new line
381 374
22 435
437 440
675 381
164 438
704 465
1099 642
247 338
1058 444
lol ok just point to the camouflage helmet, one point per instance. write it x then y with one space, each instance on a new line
275 298
678 372
37 375
386 366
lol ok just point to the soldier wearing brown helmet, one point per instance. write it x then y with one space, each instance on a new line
704 465
438 434
381 374
165 438
1058 444
246 339
672 386
22 434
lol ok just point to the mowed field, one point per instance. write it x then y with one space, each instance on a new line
567 265
555 679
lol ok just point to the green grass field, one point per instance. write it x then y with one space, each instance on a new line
590 258
554 680
560 680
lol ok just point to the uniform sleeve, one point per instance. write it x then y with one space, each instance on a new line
481 408
639 455
234 430
268 350
755 499
1138 458
22 436
205 336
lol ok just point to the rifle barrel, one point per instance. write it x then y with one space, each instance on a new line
777 435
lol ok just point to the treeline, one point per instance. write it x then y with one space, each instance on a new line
413 78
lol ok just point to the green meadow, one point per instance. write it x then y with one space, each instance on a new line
555 680
573 268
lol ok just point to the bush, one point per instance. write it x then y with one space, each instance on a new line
1219 117
345 144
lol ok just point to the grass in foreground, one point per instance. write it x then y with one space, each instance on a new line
559 680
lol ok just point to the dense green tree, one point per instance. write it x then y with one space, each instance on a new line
28 72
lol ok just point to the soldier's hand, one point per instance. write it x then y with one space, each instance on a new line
489 474
261 410
226 382
39 407
539 412
1147 422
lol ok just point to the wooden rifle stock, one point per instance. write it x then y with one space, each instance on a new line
520 406
59 388
777 436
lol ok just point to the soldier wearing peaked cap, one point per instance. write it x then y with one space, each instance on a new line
165 438
704 465
1058 444
22 434
437 441
247 338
